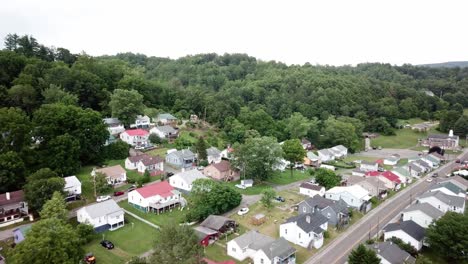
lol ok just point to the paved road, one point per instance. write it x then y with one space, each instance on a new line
337 251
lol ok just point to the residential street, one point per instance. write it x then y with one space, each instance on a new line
337 251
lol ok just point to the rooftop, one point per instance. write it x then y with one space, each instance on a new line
136 132
15 197
190 176
103 208
392 253
309 222
71 181
311 186
445 198
426 208
166 129
409 227
215 222
212 151
166 116
163 189
222 166
113 171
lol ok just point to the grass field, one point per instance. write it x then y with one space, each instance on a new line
130 240
176 216
404 138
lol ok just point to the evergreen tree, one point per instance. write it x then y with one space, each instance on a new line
201 149
363 255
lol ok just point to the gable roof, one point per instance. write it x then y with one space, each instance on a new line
392 253
450 200
15 197
212 151
136 132
103 208
423 163
112 171
325 152
312 155
391 176
309 222
71 181
253 240
279 248
340 148
215 222
311 186
183 154
222 166
458 180
402 171
190 176
137 158
355 190
166 129
449 186
163 189
409 227
426 208
318 201
442 136
166 116
414 167
150 160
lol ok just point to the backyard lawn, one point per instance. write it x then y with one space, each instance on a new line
130 240
283 178
176 216
404 138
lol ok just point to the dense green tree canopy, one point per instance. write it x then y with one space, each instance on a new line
363 255
126 105
326 178
55 208
40 187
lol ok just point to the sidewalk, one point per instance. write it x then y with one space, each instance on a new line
141 219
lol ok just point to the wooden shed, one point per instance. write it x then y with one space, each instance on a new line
258 219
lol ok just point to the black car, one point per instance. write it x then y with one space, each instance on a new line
280 199
107 244
435 175
131 188
169 174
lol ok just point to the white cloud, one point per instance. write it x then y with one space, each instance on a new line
323 32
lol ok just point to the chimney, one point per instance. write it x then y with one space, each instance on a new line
451 133
308 219
7 195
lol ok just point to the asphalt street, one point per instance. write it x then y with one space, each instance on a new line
337 251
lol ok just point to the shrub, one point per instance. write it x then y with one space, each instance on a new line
155 139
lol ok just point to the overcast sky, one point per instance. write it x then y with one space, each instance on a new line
320 32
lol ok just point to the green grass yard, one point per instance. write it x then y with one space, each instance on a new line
404 138
130 240
163 219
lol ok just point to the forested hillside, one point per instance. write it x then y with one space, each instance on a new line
53 101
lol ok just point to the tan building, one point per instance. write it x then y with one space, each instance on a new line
221 171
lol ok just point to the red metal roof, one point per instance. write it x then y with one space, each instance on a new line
136 132
163 189
373 173
391 176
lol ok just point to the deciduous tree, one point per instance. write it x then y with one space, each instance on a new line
293 152
200 148
267 198
55 208
12 172
126 105
326 178
40 186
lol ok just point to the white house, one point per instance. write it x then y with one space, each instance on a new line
325 155
414 170
443 202
281 165
403 174
247 183
102 216
369 166
389 253
328 167
448 188
213 155
422 214
305 230
392 160
261 249
165 119
135 137
183 180
354 196
151 164
408 231
114 126
72 186
164 131
341 151
156 197
141 122
311 189
114 174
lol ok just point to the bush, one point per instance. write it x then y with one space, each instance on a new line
117 150
155 139
326 234
404 246
203 163
85 233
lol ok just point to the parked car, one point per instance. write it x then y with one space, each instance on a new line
458 161
90 258
243 211
118 193
102 198
131 188
240 186
280 199
107 244
139 147
169 174
429 180
435 175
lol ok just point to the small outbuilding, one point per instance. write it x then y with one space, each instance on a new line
258 219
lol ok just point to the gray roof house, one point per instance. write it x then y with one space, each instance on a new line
305 230
408 231
259 247
443 202
448 188
422 214
458 180
336 212
391 253
165 118
213 155
181 158
102 216
219 223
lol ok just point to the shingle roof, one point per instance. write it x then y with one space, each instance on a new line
414 167
166 116
166 129
402 171
325 152
318 201
190 176
253 240
71 181
409 227
183 154
136 132
135 159
426 208
15 197
445 198
279 248
458 180
150 160
212 151
355 190
222 166
449 186
310 186
309 222
112 172
392 253
341 148
103 208
312 156
215 222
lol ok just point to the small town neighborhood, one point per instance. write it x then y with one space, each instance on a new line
291 227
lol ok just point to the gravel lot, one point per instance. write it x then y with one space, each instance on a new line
404 153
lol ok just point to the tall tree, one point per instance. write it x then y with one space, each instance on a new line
363 255
126 105
293 152
51 240
55 94
177 244
267 198
23 96
55 208
40 186
257 157
12 172
449 236
326 178
15 129
460 127
448 120
201 149
63 155
340 133
298 126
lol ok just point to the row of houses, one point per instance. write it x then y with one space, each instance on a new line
115 126
445 196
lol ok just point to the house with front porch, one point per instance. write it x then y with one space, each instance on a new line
102 216
152 164
114 174
155 197
213 155
354 196
181 158
165 132
166 119
443 202
13 208
336 212
141 121
135 137
305 230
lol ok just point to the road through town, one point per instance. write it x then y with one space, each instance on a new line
337 251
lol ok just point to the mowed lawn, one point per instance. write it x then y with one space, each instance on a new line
404 138
130 240
175 217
